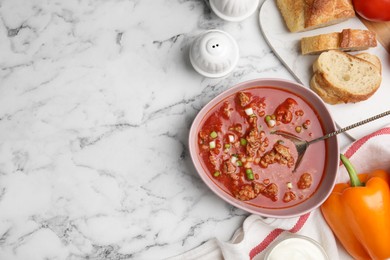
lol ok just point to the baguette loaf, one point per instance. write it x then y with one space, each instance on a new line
301 15
346 40
343 78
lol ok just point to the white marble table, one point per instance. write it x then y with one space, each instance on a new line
96 103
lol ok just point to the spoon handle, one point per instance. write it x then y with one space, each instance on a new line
342 130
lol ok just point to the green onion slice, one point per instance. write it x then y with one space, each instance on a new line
213 134
249 174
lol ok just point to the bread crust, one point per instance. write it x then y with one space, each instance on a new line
327 12
328 97
301 15
357 39
346 40
293 13
337 94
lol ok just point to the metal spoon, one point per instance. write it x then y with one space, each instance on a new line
301 145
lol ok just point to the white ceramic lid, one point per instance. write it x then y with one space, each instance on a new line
234 10
214 54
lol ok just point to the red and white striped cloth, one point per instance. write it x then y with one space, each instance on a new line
252 240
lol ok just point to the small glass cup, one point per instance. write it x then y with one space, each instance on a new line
296 247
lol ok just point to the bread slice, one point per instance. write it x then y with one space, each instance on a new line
325 93
355 39
302 15
319 43
326 97
371 58
328 94
343 78
346 40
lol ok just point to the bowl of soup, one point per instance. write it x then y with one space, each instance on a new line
237 152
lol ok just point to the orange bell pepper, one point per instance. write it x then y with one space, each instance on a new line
358 213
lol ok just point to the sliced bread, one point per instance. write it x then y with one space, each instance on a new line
302 15
325 93
371 58
340 77
346 40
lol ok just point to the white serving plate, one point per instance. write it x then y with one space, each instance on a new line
286 46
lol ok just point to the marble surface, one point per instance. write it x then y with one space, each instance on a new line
96 103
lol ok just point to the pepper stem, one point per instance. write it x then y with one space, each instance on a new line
355 182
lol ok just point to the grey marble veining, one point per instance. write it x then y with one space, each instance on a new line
96 102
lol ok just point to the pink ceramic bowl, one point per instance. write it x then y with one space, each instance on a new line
329 158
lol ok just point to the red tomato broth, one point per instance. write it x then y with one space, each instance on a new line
264 101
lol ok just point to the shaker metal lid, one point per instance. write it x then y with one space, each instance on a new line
234 10
214 54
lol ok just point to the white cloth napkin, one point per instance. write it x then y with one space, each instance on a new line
252 240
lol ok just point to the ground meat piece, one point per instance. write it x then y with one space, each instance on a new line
243 98
253 121
258 187
246 192
203 135
267 159
264 144
236 127
253 142
258 103
279 154
228 167
305 181
284 151
284 112
226 110
234 176
286 157
271 191
213 159
289 196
